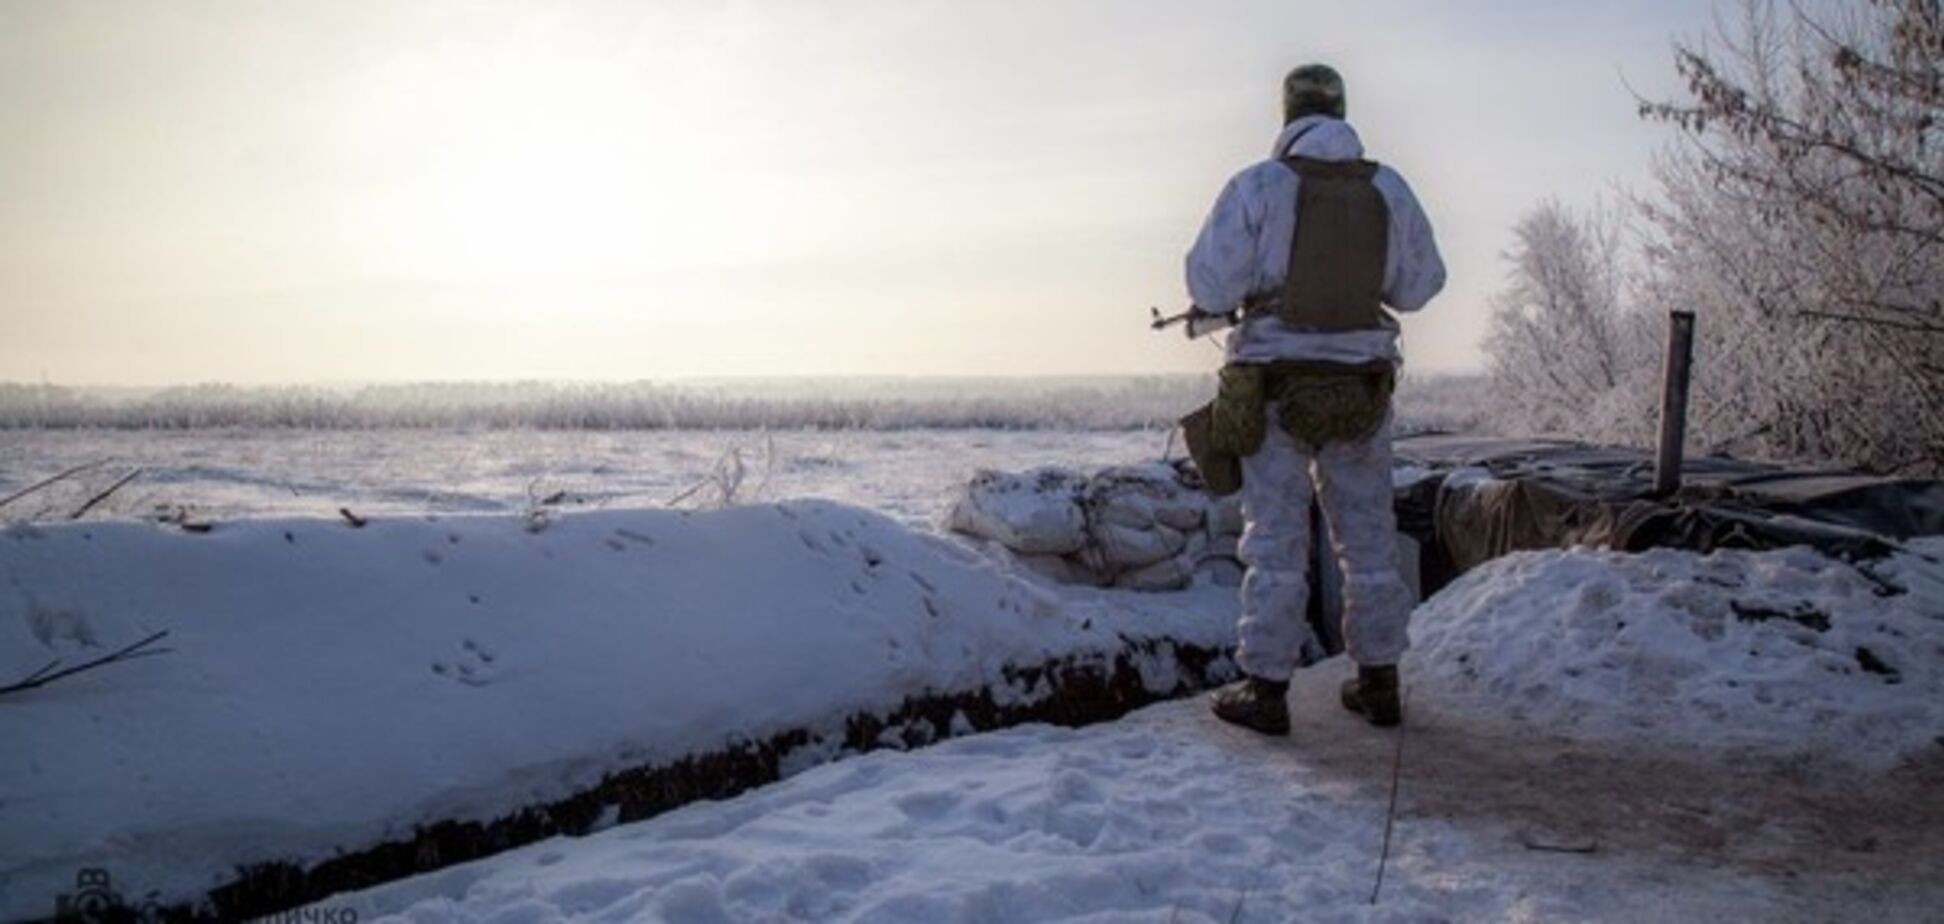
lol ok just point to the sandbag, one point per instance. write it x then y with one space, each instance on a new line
1034 513
1220 570
1225 516
1122 548
1063 569
1140 496
1173 573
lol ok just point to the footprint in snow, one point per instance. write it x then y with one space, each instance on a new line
473 667
1070 786
871 557
928 805
1221 842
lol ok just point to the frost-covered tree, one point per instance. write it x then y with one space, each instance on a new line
1565 353
1802 217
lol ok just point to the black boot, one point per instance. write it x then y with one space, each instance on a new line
1374 695
1255 704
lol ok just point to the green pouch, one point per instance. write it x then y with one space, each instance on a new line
1238 425
1320 407
1221 471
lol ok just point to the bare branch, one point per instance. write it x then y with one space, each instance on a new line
98 498
1916 327
45 482
43 677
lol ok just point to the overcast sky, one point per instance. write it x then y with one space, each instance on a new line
347 191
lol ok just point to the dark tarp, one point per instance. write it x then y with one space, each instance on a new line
1540 494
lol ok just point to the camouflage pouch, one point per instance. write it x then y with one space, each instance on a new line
1238 424
1319 407
1221 471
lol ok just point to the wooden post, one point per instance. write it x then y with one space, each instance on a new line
1674 401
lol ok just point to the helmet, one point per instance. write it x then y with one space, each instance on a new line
1312 89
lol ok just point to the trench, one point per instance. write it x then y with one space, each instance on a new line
1078 690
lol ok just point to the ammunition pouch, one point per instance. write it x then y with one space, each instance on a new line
1221 471
1317 403
1237 425
1321 403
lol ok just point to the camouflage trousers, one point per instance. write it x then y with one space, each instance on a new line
1352 483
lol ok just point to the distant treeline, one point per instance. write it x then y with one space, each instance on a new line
1102 403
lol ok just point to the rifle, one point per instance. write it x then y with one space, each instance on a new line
1198 322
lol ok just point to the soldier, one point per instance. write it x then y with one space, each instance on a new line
1310 246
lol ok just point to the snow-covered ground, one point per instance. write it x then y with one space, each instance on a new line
1164 816
1628 785
1667 736
906 474
330 688
1169 816
1788 653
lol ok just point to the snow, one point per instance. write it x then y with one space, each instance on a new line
1559 767
1786 651
1155 818
1169 816
1141 527
331 687
1708 725
909 475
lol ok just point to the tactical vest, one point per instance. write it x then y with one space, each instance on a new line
1335 277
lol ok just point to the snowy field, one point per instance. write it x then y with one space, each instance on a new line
895 445
224 474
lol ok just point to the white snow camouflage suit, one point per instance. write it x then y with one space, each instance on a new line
1243 250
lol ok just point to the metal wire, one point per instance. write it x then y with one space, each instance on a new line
1390 815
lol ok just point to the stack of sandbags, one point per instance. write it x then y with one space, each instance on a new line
1140 518
1143 527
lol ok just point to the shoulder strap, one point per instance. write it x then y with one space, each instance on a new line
1332 169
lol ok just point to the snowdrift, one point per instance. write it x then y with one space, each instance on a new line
1790 652
333 689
